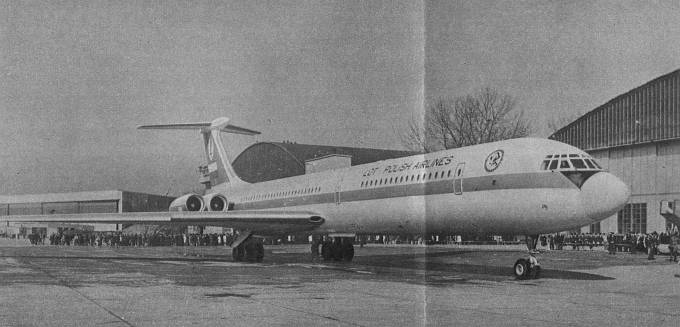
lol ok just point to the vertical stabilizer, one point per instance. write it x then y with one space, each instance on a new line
220 169
219 165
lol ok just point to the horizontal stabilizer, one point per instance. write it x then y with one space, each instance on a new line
205 126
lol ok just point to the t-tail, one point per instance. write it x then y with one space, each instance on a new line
219 166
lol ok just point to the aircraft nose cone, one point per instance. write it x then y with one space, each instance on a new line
603 194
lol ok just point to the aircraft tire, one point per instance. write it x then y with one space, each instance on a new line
327 251
251 249
238 253
521 269
260 251
348 252
338 251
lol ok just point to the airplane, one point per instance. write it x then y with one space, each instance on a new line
524 186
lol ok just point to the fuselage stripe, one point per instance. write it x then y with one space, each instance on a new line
536 180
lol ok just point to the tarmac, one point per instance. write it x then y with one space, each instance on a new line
383 286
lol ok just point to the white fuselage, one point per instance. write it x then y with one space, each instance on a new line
501 187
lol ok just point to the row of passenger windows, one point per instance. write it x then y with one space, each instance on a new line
572 161
274 195
406 179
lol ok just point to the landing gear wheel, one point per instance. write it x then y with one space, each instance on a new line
260 251
337 250
348 252
238 253
327 250
521 269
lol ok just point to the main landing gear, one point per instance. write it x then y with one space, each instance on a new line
247 247
528 267
338 248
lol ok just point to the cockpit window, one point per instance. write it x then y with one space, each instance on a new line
577 167
578 164
569 162
589 163
545 164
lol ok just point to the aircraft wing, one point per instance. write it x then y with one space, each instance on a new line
256 220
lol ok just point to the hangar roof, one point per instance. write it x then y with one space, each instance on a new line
648 113
63 197
273 160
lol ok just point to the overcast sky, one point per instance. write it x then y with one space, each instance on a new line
76 78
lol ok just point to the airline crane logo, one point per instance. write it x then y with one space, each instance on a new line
493 160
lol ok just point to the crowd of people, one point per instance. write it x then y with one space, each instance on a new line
575 240
128 239
646 243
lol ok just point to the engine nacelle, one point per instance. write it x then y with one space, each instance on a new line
216 202
189 202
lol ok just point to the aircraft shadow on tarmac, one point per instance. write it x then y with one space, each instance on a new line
432 262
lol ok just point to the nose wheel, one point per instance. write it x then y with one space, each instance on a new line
528 268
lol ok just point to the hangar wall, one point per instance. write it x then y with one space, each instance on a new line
636 136
110 201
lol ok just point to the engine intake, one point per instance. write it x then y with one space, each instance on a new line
189 202
216 202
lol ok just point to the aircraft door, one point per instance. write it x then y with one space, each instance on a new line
338 190
458 179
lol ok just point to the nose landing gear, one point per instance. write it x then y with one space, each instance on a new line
526 268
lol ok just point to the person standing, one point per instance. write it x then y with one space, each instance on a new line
649 242
610 243
673 246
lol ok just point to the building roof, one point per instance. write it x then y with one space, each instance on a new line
648 113
305 152
265 161
63 197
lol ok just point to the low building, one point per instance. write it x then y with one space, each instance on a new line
113 201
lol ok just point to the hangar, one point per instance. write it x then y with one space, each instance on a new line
111 201
636 136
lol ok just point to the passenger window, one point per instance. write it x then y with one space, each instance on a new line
564 164
435 175
553 165
418 178
589 164
401 179
429 176
449 174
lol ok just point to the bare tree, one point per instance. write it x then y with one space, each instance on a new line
555 123
472 119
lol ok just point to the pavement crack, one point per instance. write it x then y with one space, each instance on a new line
67 285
